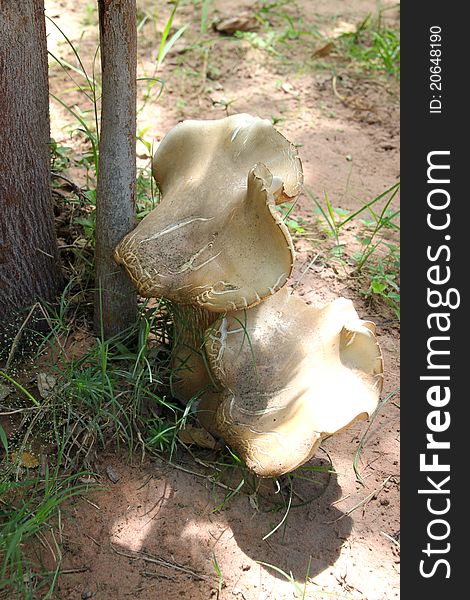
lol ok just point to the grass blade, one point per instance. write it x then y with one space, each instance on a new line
167 47
331 213
204 13
142 23
325 216
393 189
4 440
21 388
74 50
284 517
164 45
298 589
87 130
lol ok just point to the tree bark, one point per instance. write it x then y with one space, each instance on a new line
116 300
29 263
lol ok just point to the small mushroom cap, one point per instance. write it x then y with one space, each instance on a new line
216 239
292 375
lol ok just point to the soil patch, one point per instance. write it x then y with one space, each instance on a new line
155 533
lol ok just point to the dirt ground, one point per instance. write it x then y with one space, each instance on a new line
155 533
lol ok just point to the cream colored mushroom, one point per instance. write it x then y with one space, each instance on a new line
292 375
216 239
215 242
273 376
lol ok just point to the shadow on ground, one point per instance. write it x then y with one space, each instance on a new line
156 529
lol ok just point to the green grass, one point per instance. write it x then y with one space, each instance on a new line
373 48
297 225
218 572
277 495
383 277
167 42
60 157
29 508
376 264
205 4
118 392
85 118
299 590
281 27
111 394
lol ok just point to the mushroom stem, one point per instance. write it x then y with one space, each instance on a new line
192 379
191 376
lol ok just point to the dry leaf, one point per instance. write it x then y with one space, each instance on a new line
229 25
198 436
288 88
323 50
81 242
87 479
253 499
26 459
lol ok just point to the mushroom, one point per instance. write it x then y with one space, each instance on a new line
270 375
292 375
216 239
215 242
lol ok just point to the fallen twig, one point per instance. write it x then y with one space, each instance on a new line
17 337
160 561
391 538
363 501
222 485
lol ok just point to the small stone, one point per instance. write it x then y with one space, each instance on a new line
5 391
288 88
46 384
112 474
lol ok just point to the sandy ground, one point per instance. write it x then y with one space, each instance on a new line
156 533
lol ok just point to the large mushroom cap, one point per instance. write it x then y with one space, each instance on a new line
292 375
214 153
216 239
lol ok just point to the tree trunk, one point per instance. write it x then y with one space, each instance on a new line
29 263
115 303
